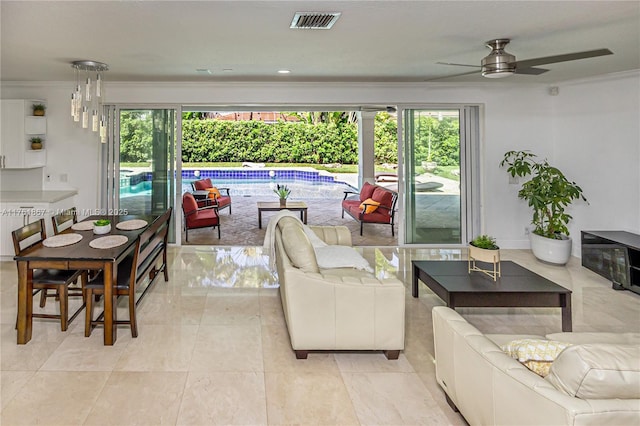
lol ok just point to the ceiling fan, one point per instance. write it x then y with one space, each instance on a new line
498 63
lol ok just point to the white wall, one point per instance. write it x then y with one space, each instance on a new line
597 144
516 116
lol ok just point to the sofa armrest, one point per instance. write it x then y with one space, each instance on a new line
333 235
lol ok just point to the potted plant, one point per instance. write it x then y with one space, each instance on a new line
548 193
483 248
283 192
102 226
36 142
38 109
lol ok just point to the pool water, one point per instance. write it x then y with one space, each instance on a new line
255 187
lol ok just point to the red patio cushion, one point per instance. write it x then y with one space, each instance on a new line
384 197
202 184
367 191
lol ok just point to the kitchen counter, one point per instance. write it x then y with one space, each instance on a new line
35 196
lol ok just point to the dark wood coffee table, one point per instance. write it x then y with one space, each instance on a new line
295 206
516 287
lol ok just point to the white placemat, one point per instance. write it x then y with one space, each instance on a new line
108 242
83 226
129 225
62 240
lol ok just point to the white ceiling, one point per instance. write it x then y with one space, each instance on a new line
372 40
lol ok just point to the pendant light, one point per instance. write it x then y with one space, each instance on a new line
87 105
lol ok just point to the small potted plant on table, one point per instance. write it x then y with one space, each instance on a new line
283 192
102 226
483 248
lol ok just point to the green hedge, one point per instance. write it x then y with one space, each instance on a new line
256 141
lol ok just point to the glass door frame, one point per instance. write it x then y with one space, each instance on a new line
470 117
110 161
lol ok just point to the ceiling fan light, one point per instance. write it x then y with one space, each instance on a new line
498 73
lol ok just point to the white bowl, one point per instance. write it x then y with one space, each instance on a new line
104 229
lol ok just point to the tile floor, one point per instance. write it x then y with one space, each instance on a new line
213 349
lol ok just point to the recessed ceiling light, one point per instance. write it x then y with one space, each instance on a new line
203 70
284 71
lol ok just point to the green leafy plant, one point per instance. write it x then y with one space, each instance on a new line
485 242
283 191
38 107
102 222
548 192
35 139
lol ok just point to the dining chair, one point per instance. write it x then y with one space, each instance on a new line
45 279
61 222
150 248
65 220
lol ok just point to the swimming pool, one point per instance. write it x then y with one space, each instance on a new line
245 183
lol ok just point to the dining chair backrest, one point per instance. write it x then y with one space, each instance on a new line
64 220
28 236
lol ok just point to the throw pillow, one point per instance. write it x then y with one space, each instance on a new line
537 355
213 193
366 191
369 206
298 247
331 257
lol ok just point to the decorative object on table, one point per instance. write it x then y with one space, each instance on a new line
38 110
86 225
102 226
130 225
548 193
283 192
108 242
61 240
36 142
483 248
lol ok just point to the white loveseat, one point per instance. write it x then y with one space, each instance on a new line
334 308
594 382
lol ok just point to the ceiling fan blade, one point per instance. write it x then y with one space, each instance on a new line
454 75
528 63
531 71
458 65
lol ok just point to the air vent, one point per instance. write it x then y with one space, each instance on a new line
314 20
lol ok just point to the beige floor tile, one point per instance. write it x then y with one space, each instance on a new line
392 399
279 357
308 398
371 361
79 353
139 398
223 399
11 382
55 398
228 348
271 308
166 308
159 348
231 307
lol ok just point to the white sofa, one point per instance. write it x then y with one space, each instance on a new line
597 382
334 308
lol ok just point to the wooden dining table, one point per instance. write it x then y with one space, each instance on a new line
77 256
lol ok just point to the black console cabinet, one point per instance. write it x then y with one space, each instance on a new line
615 255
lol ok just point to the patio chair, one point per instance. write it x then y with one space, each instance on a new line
198 217
373 204
220 196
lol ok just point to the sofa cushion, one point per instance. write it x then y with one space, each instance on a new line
369 206
202 184
297 245
596 337
535 354
598 371
367 191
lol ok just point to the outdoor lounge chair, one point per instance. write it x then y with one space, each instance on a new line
221 197
198 217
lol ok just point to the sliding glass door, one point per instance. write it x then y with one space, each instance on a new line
438 149
141 161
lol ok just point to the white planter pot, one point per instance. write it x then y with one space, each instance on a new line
549 250
100 230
